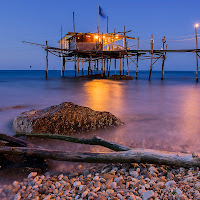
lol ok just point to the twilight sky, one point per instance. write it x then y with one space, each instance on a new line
40 20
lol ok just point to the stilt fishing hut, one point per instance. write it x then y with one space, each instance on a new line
98 50
94 49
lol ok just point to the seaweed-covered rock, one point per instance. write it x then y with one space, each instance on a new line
66 118
121 77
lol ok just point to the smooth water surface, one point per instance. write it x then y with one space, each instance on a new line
157 114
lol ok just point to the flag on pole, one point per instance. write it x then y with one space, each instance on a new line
101 12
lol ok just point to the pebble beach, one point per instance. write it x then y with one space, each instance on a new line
110 181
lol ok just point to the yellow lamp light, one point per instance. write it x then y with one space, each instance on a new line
196 25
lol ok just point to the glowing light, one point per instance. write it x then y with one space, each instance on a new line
96 37
196 25
103 36
117 36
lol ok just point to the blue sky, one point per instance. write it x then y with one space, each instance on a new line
40 20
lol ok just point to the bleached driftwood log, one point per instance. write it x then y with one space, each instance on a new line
91 141
130 156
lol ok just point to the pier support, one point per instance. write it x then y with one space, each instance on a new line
109 68
123 65
197 65
89 67
102 66
115 66
163 63
63 66
78 64
136 71
120 67
47 59
82 67
75 65
152 41
127 67
97 65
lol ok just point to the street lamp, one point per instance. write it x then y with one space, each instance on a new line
196 26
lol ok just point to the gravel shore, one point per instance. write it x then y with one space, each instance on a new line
119 181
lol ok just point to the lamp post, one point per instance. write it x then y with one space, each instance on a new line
196 26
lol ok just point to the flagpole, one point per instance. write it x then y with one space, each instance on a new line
98 19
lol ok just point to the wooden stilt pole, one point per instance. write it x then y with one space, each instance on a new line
75 64
102 67
47 60
82 67
73 23
152 41
115 66
78 64
63 67
163 64
107 24
120 68
136 73
89 67
123 65
97 65
127 67
109 68
197 65
91 64
107 64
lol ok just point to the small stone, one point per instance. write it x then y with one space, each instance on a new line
77 183
15 183
141 191
135 174
101 198
77 197
60 177
96 189
96 178
148 194
82 188
102 180
74 174
32 175
132 197
160 185
178 191
153 170
120 196
110 191
84 194
113 185
17 196
170 183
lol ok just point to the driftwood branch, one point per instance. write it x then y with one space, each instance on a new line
131 156
91 141
15 141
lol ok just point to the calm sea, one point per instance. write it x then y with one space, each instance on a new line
157 114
